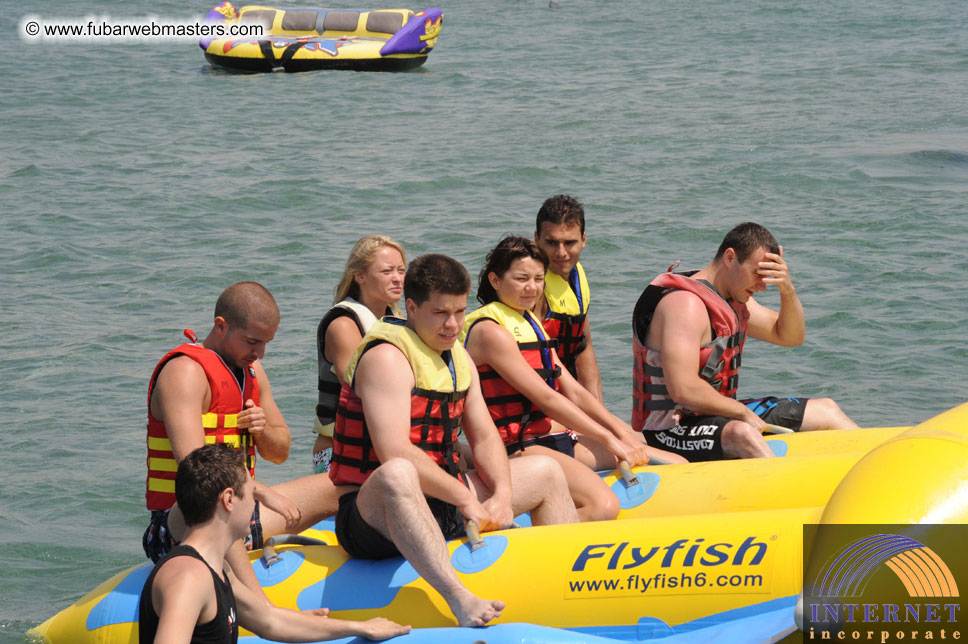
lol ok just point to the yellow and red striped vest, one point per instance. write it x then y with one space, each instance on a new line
220 422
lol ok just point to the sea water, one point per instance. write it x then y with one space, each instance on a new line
136 182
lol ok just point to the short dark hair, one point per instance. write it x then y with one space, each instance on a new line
561 209
499 260
246 302
203 475
429 274
745 239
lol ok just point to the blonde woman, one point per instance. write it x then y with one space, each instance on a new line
369 289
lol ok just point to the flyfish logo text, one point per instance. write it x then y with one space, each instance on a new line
681 552
682 566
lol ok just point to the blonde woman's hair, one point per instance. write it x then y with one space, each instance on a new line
359 260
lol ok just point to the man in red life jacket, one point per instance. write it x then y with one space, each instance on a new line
689 330
563 311
410 389
218 392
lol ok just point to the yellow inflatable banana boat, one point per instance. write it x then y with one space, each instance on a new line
263 39
689 564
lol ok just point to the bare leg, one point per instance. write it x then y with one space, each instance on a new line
594 454
314 495
740 440
593 499
538 486
824 413
392 503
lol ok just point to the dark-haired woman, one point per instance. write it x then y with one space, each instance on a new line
531 399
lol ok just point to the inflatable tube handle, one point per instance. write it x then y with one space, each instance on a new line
627 474
769 428
269 555
474 539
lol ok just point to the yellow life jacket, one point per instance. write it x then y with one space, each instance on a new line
568 303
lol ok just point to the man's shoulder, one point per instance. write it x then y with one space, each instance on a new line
681 300
179 365
383 357
181 571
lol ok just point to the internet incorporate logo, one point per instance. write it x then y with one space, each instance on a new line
919 568
884 583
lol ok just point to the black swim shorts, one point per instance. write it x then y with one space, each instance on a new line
699 438
157 540
361 540
563 442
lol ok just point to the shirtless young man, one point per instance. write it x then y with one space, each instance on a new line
409 388
689 330
563 311
185 598
218 392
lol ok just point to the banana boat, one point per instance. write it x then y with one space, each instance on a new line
693 570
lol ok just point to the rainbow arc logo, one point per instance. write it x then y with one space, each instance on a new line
918 567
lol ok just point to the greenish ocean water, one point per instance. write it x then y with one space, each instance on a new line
136 183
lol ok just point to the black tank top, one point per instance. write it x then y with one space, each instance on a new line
224 629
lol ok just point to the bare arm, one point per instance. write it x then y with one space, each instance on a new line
180 396
680 327
490 456
786 327
265 422
285 625
586 366
183 596
490 343
383 382
342 338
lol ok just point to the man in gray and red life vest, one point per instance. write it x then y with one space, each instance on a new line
218 392
410 389
689 330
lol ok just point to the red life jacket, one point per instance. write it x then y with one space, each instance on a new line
568 303
719 360
220 422
436 406
513 413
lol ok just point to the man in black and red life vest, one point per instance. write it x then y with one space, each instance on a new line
689 330
410 388
218 392
191 596
563 311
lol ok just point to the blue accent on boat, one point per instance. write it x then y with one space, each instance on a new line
121 604
761 622
329 523
359 584
524 520
469 562
779 447
636 495
289 562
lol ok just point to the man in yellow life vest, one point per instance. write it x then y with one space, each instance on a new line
409 389
563 311
216 391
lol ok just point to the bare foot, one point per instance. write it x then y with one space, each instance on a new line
474 611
